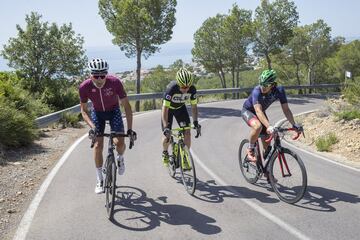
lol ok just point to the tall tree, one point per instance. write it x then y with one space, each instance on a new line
274 24
318 46
209 47
238 36
139 27
44 52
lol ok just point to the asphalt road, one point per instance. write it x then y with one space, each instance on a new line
151 205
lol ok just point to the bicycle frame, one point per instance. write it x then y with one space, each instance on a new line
276 147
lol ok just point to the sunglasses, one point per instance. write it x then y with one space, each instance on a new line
99 76
185 87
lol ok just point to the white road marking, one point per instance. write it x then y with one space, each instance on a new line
287 227
292 230
30 212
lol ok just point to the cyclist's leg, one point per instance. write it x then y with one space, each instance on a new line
256 127
165 141
182 117
99 123
117 125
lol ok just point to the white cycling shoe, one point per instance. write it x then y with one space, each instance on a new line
99 187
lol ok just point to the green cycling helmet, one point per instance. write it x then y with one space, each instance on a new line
267 78
184 78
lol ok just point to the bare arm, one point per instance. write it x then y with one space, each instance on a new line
128 112
85 114
260 114
288 114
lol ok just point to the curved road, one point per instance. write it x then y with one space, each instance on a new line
151 205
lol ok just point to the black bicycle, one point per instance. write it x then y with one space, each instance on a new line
287 176
110 169
181 158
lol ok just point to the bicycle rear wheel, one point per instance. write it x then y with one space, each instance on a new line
288 176
187 170
249 170
110 187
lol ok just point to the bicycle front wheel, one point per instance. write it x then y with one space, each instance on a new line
187 170
110 187
248 169
288 176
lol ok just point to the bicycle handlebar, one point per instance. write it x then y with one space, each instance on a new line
113 135
278 129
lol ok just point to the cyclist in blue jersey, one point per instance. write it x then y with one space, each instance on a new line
176 94
254 107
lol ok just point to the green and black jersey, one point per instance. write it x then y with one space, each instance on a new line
174 99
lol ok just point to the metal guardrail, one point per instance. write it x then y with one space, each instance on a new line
54 117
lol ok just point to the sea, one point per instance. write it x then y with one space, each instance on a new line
118 62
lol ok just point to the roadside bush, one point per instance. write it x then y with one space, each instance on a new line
324 143
352 92
348 114
16 128
70 120
60 95
19 98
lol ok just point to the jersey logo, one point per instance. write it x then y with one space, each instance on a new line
93 90
108 92
168 97
180 98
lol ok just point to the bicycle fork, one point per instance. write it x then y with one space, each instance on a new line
282 163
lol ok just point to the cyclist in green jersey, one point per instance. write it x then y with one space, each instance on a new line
175 97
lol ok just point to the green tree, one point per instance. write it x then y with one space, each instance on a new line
274 24
238 36
44 52
318 46
139 27
209 47
158 79
348 59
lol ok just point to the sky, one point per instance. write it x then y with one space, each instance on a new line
342 16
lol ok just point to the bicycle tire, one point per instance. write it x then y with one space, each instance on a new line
171 166
297 168
188 175
249 171
111 188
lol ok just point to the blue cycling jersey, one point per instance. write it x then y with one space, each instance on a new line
257 97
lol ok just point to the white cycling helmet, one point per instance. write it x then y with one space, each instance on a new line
98 65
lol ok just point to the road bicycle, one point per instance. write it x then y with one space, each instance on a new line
282 167
181 158
110 169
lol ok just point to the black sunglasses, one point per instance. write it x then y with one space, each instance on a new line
99 76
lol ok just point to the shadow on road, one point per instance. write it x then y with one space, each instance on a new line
209 191
213 112
321 199
135 211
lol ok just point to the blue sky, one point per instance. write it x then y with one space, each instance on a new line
342 16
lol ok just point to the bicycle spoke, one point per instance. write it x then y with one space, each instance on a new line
248 169
187 170
288 176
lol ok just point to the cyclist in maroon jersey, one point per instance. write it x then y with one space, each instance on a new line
106 92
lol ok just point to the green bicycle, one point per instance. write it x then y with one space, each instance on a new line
181 158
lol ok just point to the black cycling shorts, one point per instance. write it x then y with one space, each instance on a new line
249 116
181 115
